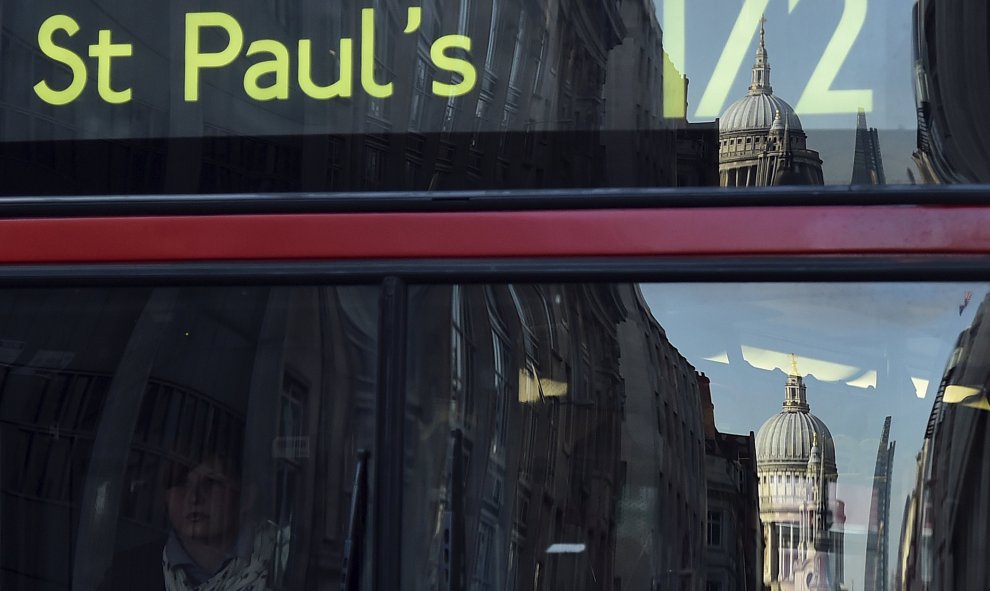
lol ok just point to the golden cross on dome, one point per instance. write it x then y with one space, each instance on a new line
794 367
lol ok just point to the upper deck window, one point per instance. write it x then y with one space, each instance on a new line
115 97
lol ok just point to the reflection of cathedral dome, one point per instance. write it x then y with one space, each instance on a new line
785 439
756 112
761 139
801 518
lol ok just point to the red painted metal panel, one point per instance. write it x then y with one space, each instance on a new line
572 233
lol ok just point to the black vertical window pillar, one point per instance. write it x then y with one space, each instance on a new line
390 442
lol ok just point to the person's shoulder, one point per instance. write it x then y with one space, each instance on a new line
136 569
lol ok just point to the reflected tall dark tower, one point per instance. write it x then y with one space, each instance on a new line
878 534
868 162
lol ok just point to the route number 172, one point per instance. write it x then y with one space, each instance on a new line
818 97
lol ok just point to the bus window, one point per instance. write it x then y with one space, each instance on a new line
548 436
119 98
695 436
164 437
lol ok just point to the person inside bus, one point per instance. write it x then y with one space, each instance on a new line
208 548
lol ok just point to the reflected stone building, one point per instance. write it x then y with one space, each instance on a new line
761 141
943 539
556 443
733 538
567 96
648 156
663 503
950 90
802 520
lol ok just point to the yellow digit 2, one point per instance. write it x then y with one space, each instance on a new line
735 51
674 43
818 97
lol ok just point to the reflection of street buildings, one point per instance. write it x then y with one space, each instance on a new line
761 141
913 570
575 432
697 155
647 156
878 534
568 95
733 534
663 505
946 515
867 160
949 49
92 432
802 519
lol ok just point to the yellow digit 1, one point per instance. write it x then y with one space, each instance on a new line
818 97
674 43
735 51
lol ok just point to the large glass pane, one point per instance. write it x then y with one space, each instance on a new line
697 437
180 438
117 97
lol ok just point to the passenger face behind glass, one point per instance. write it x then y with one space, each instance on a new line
204 507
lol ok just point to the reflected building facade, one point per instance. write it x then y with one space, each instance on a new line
663 504
801 517
92 430
697 155
733 532
942 540
761 141
949 47
567 96
646 152
567 452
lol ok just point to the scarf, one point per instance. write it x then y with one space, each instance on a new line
250 573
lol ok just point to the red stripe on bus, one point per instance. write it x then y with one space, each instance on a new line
572 233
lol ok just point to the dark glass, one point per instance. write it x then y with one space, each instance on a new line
551 436
217 429
120 97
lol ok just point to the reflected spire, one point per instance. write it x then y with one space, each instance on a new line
761 68
795 392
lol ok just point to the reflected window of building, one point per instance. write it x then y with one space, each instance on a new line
714 537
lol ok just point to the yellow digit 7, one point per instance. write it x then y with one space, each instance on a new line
818 97
735 51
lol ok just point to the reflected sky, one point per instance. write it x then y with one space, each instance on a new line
871 350
879 60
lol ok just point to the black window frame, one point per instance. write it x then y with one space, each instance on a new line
396 275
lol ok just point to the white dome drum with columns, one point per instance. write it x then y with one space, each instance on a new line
802 520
